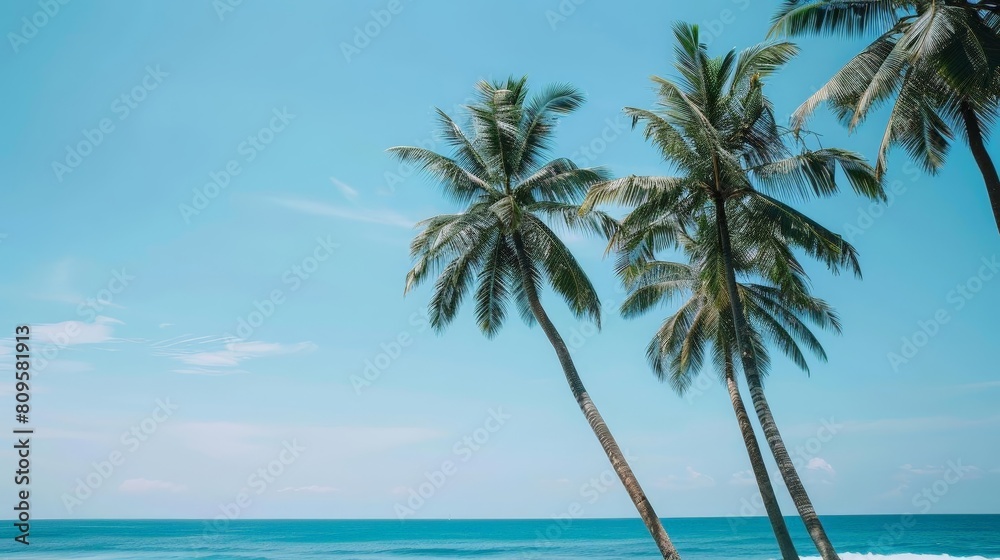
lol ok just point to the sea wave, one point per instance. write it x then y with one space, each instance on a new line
902 556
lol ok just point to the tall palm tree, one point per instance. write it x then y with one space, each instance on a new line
678 350
715 126
938 60
500 245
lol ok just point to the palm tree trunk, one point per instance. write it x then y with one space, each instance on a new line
767 424
593 416
983 160
759 469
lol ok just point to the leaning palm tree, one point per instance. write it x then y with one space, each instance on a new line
501 246
715 126
703 322
938 59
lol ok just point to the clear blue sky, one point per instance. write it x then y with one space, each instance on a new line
145 293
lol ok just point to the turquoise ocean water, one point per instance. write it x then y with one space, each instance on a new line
869 537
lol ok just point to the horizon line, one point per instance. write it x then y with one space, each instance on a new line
792 516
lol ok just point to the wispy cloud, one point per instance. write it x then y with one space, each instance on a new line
348 191
979 386
356 213
215 355
690 480
236 352
908 474
209 371
820 464
146 486
743 478
311 489
69 333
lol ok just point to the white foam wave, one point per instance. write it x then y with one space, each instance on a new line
902 556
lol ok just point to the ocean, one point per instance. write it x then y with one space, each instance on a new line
892 537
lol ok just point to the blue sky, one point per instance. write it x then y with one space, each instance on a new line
136 268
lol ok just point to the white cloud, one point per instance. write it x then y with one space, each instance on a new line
215 355
357 214
145 486
68 333
929 469
743 478
820 464
235 352
208 371
691 480
311 489
348 191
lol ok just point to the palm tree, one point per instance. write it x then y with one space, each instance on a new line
716 127
939 60
677 351
500 245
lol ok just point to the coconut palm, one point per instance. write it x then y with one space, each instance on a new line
501 246
679 349
937 61
714 125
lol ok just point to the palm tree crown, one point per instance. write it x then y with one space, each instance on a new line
936 61
499 171
714 125
702 327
